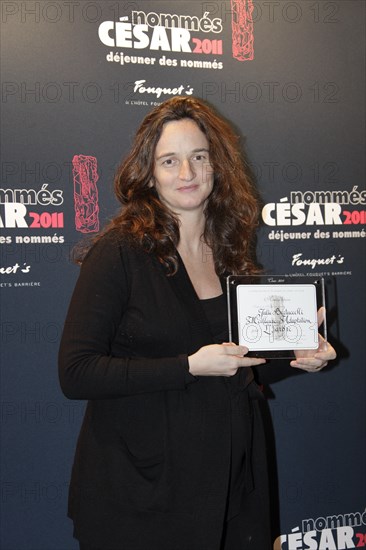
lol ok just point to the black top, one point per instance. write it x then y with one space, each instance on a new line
153 460
216 313
240 471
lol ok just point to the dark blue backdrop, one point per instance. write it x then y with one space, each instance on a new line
297 99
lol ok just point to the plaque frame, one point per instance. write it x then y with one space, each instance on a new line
258 317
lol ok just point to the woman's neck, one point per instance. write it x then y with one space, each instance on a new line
191 234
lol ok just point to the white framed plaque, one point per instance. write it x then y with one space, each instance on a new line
274 315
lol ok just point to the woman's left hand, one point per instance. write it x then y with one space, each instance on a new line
315 362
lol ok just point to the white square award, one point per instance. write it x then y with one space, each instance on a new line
274 315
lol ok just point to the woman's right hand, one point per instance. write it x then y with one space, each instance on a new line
221 360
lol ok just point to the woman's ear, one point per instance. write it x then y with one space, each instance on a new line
151 182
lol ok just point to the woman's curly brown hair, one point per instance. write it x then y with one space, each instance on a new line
232 207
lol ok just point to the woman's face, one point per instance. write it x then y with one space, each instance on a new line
183 175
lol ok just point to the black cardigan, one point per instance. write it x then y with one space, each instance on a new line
152 464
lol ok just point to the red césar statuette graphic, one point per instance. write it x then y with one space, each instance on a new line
85 176
242 29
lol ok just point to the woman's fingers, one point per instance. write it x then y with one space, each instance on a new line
221 360
319 360
309 364
320 315
240 352
311 361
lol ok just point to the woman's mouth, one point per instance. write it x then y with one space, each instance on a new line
188 188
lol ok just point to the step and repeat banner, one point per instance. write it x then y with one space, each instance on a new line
77 79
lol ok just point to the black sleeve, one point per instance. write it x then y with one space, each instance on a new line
87 369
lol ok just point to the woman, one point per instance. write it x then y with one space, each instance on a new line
171 452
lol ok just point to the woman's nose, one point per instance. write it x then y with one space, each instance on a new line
186 172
